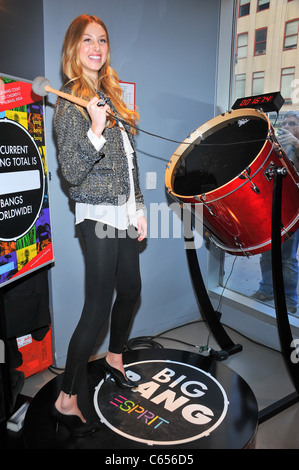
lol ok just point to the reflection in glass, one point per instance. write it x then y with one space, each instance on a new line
267 69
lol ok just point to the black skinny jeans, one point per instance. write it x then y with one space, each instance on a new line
111 262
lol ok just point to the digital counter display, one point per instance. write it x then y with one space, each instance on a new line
267 102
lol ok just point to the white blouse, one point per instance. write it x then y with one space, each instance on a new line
120 216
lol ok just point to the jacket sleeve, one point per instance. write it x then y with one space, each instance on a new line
76 154
136 174
138 194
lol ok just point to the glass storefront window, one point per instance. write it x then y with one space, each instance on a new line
271 64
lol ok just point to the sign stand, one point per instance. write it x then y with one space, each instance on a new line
5 375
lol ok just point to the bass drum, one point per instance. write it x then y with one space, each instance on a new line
224 171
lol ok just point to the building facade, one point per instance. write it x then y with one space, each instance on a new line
266 50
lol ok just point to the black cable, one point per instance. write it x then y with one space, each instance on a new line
200 348
180 142
221 296
149 341
146 342
225 285
54 369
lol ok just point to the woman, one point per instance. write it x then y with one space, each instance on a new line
97 158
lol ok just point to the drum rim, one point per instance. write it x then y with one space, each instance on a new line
198 133
250 250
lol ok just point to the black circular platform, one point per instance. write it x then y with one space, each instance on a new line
183 401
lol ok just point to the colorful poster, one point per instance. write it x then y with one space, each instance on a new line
25 225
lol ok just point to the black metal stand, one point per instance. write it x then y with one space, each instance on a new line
212 317
284 330
209 314
278 284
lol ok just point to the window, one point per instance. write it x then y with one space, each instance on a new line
244 8
258 83
287 77
240 85
270 69
242 46
291 35
260 41
263 5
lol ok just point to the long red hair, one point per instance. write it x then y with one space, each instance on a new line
79 83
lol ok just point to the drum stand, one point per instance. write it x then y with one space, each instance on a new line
212 317
284 330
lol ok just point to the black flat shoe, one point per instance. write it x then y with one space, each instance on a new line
73 423
120 380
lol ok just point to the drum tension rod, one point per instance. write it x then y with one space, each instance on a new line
245 174
202 199
239 244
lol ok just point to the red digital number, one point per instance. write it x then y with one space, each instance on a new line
245 102
269 98
256 100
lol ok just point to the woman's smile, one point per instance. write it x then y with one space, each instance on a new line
93 50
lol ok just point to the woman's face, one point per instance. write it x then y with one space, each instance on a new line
93 50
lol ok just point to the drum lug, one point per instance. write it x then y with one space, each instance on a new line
269 171
278 150
276 145
246 174
239 245
271 137
212 211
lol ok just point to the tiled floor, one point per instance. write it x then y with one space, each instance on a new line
263 369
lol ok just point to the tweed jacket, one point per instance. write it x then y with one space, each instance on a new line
94 177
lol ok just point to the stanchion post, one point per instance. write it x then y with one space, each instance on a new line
5 381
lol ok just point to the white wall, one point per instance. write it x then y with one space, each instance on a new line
169 49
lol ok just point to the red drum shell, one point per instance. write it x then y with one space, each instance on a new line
225 166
